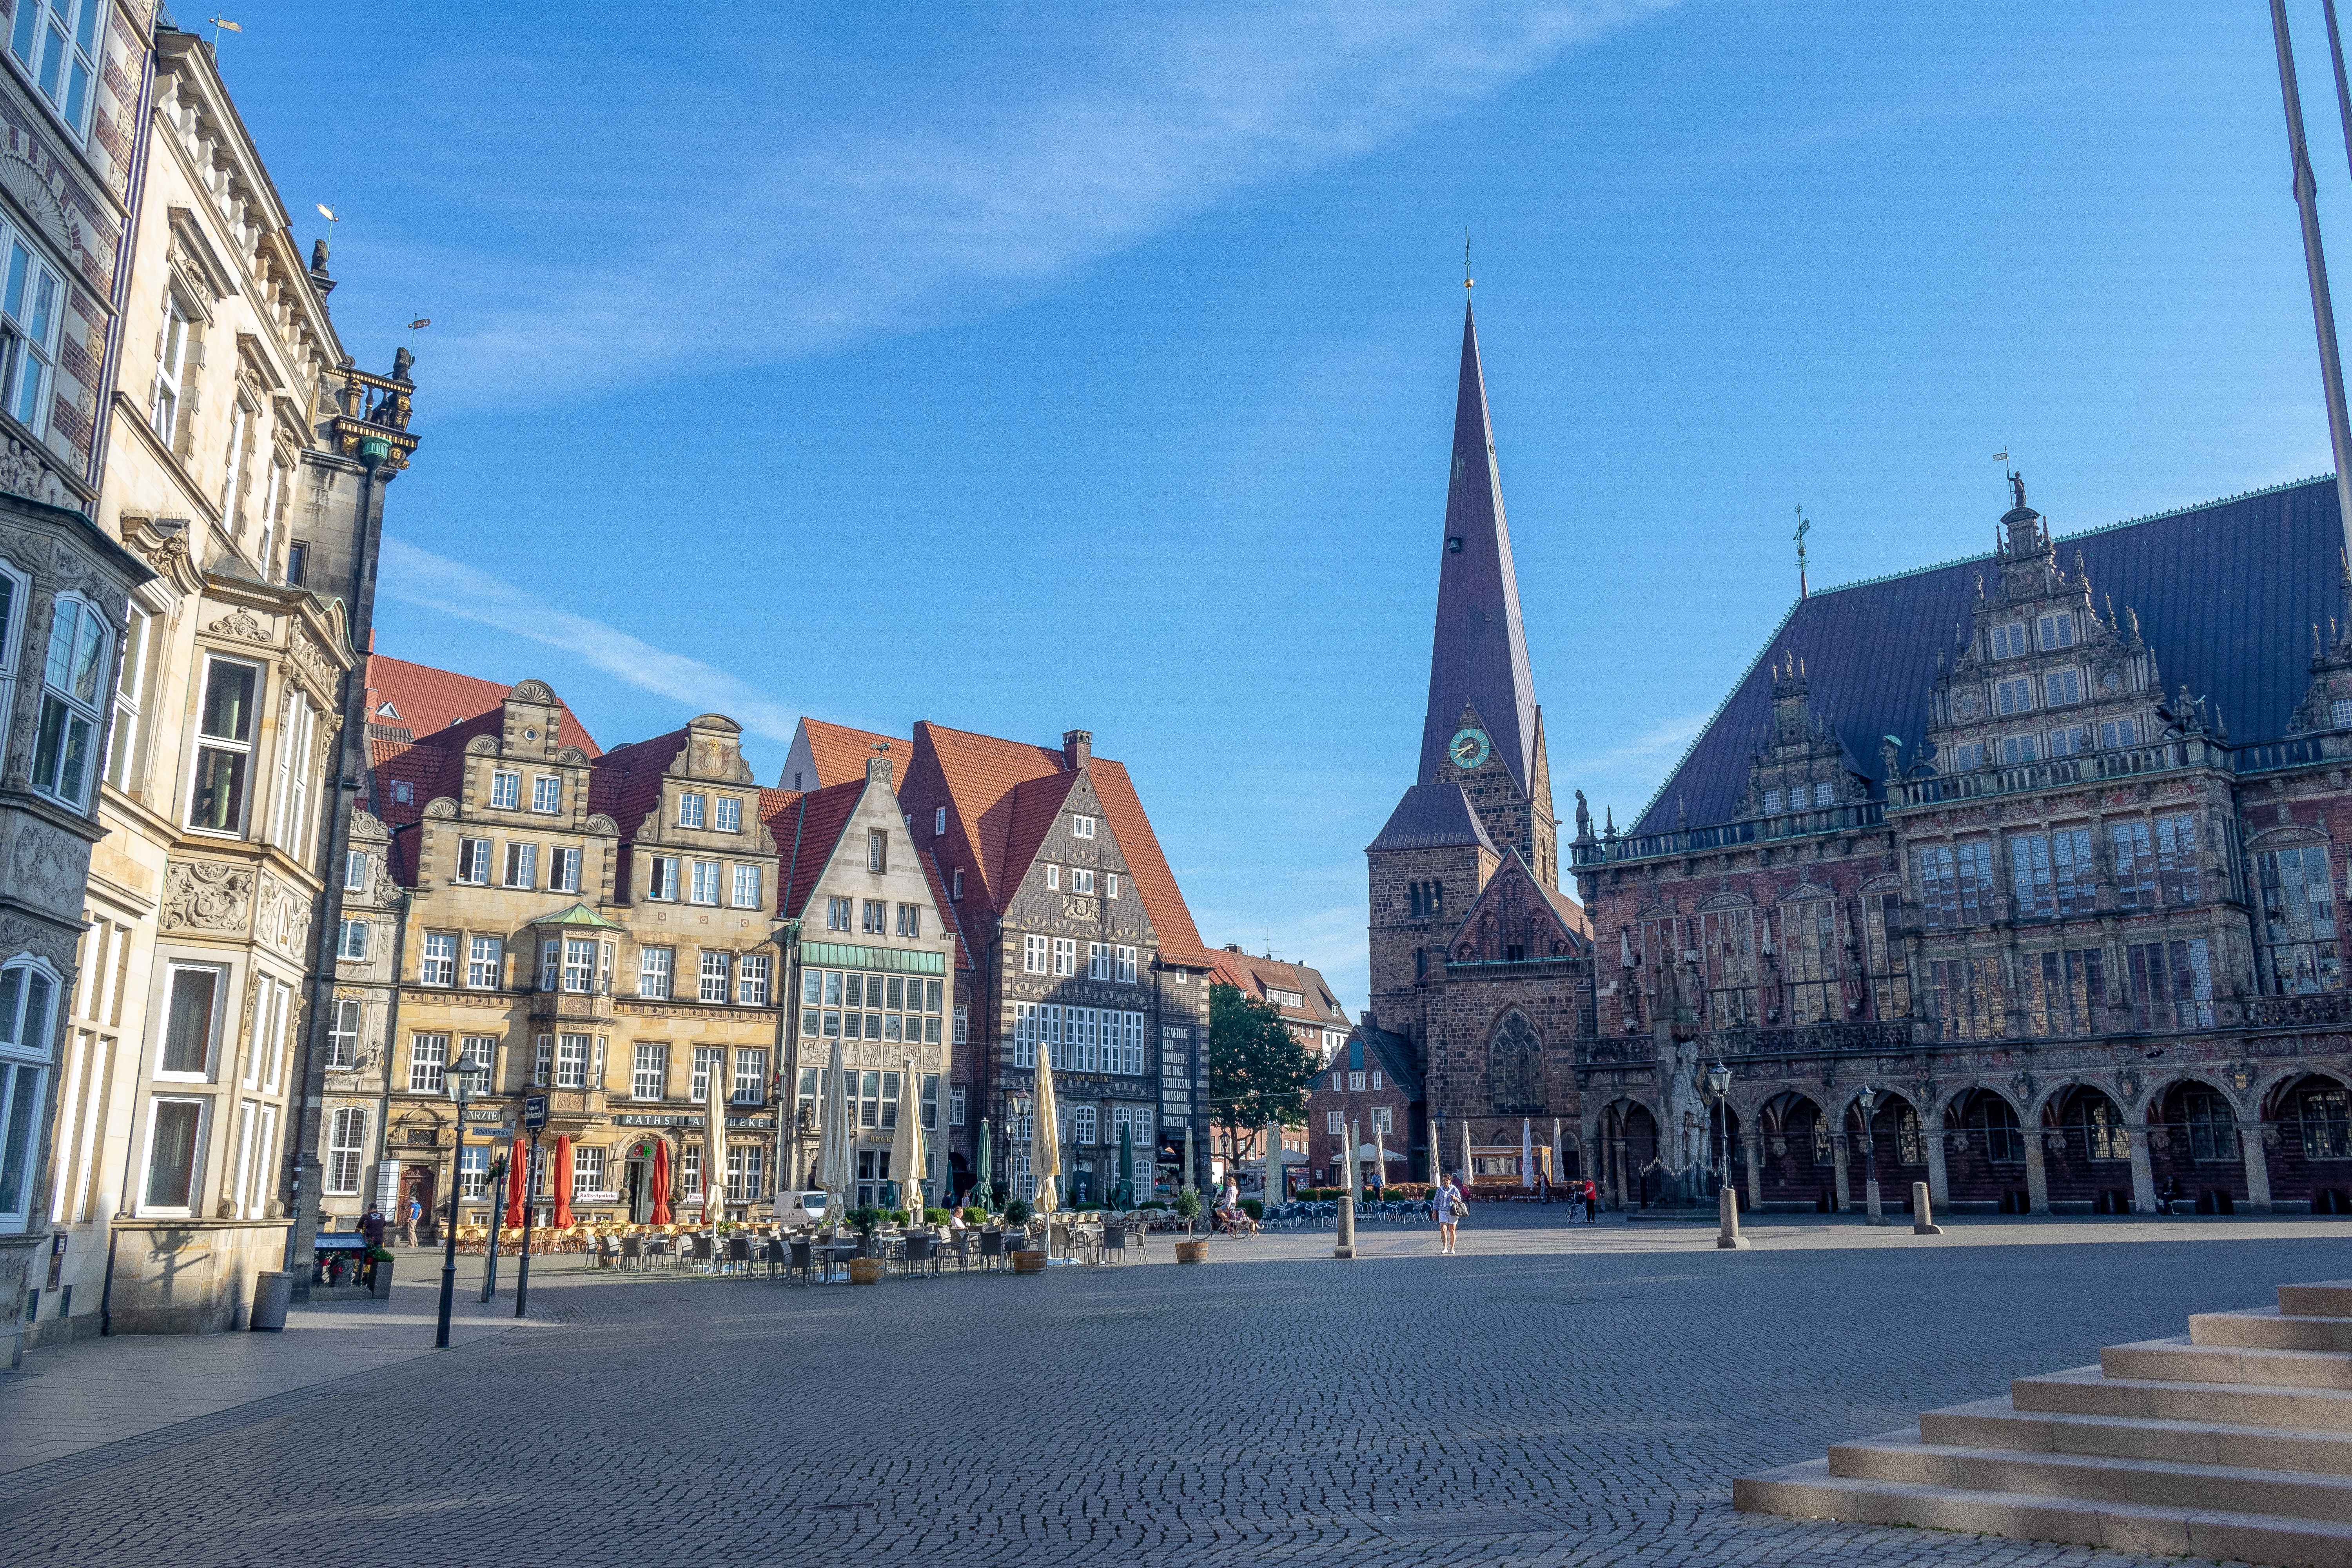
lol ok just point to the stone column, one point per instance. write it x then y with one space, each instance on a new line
2258 1167
1752 1145
1845 1188
2143 1172
1939 1186
2037 1184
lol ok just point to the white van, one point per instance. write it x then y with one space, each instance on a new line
795 1209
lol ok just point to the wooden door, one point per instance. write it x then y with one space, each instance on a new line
416 1182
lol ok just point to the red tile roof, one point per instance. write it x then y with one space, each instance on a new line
1255 977
428 700
1001 794
840 751
807 827
626 784
949 916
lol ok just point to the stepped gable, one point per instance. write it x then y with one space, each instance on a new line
2226 594
2230 1443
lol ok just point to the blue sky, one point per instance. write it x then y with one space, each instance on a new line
1021 366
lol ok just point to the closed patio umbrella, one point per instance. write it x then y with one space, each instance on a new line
518 1163
714 1144
1045 1139
1380 1155
563 1182
1526 1153
1128 1197
1465 1157
980 1182
832 1149
909 1158
1273 1161
661 1215
1188 1155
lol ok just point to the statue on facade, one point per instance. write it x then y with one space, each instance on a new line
1583 817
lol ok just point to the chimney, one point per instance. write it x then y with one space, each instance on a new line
1077 745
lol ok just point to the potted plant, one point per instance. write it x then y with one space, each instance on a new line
380 1272
1188 1207
865 1269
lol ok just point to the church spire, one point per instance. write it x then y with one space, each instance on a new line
1478 657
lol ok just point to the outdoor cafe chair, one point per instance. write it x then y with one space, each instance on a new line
633 1252
739 1251
920 1252
992 1245
704 1251
962 1243
799 1259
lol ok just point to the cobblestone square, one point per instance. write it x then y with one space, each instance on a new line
1549 1396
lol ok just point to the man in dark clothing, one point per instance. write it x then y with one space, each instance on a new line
372 1226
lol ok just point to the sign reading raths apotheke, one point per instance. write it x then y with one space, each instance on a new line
685 1119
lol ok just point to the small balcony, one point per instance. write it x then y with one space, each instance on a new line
2065 773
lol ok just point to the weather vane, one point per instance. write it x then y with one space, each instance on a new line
1804 527
218 23
1466 280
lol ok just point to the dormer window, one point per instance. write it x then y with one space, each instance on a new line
1082 827
1771 802
2058 631
403 793
2009 641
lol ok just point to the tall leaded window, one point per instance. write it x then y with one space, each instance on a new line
343 1035
31 307
1890 977
2326 1129
73 673
1956 885
1969 1003
1727 952
2300 954
28 991
346 1148
2171 984
2212 1126
2062 991
2176 871
1997 1119
225 727
1810 961
2135 865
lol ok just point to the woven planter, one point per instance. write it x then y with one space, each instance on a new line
1029 1260
866 1271
1192 1251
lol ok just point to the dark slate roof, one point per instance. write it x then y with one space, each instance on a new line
1395 1052
1478 654
1431 817
2226 593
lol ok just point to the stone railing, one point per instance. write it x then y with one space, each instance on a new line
1601 1051
1846 818
1869 1034
2327 1010
2062 773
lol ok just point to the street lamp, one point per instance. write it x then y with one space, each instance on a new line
1868 1100
1718 1078
449 1240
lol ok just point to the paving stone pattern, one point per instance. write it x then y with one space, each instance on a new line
1547 1397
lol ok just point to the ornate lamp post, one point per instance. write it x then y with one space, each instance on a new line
1868 1100
1718 1078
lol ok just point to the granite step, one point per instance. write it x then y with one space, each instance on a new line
1998 1424
2087 1391
2266 1327
2095 1478
2177 1360
1810 1490
2321 1299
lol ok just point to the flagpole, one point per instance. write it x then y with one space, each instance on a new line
2323 309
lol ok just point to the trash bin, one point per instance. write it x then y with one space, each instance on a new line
273 1290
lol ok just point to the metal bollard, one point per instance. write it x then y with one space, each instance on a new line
1726 1206
1347 1245
1923 1223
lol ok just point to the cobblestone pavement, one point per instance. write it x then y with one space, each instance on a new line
1551 1397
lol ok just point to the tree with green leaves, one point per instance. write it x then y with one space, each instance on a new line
1258 1069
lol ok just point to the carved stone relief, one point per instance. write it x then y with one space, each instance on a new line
49 866
283 919
205 895
240 623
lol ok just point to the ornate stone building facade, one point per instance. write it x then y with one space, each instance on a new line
1959 849
600 929
1481 968
243 459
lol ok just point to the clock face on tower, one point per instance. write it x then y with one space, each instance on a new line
1468 748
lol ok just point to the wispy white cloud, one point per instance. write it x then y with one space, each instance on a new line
788 232
437 583
1635 767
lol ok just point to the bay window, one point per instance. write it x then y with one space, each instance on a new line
27 991
65 752
224 746
57 43
30 298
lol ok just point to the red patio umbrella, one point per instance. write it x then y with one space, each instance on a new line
563 1182
516 1162
661 1182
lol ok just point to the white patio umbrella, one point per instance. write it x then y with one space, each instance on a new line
1379 1153
1045 1139
1527 1151
1466 1155
833 1140
714 1143
1355 1164
908 1160
1273 1161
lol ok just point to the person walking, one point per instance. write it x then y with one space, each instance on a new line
408 1218
372 1226
1448 1207
1591 1200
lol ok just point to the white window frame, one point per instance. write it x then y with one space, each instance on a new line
473 861
344 1033
705 888
1033 952
486 963
714 974
130 693
31 1002
661 878
727 813
355 871
163 402
657 972
571 1062
89 639
1082 827
28 338
693 807
750 1082
649 1071
214 1025
428 1063
746 889
522 864
939 829
351 939
477 1062
1110 884
546 794
346 1150
1098 960
200 1138
1052 877
506 790
437 961
752 980
1066 956
1082 880
564 871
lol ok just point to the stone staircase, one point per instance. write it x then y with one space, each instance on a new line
2231 1442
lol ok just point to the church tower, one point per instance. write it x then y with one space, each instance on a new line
1484 786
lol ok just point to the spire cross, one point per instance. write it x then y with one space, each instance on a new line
1468 282
1804 526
